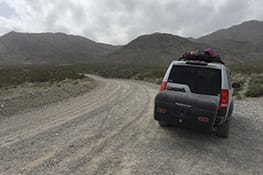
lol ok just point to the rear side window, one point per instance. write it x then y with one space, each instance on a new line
201 80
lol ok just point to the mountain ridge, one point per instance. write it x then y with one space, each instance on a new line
50 48
239 44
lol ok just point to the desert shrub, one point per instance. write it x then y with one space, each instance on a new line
255 87
247 68
146 73
241 79
13 76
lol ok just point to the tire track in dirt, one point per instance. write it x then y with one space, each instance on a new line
84 142
111 131
70 123
102 89
57 118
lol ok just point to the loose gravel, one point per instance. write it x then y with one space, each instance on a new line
111 130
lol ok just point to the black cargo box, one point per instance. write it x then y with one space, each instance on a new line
186 109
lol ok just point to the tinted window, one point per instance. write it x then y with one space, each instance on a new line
200 80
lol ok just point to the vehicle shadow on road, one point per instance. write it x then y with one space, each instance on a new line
242 150
244 143
243 133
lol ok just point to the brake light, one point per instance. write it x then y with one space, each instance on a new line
224 97
163 86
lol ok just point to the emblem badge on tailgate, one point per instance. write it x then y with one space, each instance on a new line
184 105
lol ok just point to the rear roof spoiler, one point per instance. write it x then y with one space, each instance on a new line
201 63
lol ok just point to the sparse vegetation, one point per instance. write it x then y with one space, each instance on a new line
13 76
255 87
240 78
145 73
247 68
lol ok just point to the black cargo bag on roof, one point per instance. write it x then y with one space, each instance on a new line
201 56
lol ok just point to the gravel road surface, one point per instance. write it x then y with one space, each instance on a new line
111 131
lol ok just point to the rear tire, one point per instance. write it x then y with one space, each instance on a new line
163 123
223 130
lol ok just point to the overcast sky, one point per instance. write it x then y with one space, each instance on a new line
119 21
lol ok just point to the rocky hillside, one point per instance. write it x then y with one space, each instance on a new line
153 49
50 48
250 31
241 43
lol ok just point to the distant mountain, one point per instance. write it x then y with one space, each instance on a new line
153 49
50 48
241 43
250 31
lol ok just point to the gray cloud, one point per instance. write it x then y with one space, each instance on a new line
5 10
119 21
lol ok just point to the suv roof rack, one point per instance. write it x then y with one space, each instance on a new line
203 56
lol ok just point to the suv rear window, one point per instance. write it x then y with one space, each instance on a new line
201 80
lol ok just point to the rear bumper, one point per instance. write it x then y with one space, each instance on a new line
187 123
192 122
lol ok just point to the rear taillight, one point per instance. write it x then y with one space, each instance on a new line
163 86
224 98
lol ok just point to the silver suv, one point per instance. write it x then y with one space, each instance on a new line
196 94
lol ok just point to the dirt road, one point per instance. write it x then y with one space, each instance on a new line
111 131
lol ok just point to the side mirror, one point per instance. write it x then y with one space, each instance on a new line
236 85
